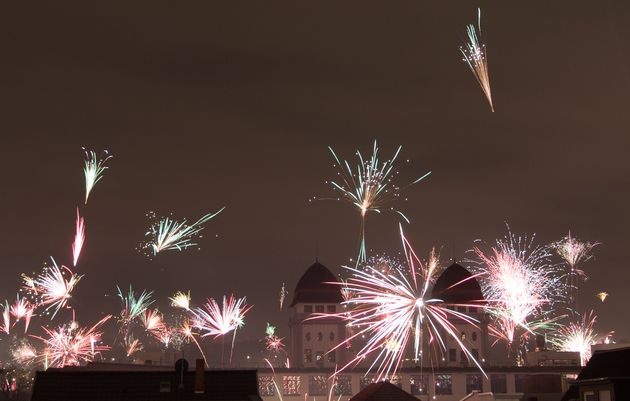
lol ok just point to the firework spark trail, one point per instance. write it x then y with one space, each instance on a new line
169 234
79 239
93 170
54 288
283 295
577 337
474 52
275 383
133 345
181 300
6 318
518 281
370 187
72 345
187 331
394 310
21 308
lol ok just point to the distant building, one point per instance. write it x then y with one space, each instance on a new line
450 377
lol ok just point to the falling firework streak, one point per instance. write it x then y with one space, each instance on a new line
6 318
283 295
169 234
79 239
474 52
93 170
370 187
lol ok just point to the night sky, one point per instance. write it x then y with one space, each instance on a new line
233 104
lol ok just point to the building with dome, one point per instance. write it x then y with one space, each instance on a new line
445 375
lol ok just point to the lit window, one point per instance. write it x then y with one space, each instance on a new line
291 385
265 386
343 385
443 385
419 384
317 385
366 381
463 336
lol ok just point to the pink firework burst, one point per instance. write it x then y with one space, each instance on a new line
70 345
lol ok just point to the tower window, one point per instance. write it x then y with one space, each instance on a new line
330 309
308 355
308 336
331 336
308 308
319 308
452 355
320 336
332 356
474 336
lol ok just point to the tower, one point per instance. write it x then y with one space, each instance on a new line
312 339
458 289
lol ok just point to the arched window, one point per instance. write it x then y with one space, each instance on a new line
331 336
474 336
320 336
308 336
463 336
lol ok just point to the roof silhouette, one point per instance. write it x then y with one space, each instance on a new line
317 285
383 391
456 285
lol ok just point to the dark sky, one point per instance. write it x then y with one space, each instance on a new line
233 103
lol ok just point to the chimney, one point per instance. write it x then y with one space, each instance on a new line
200 373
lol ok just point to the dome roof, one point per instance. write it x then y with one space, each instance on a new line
456 285
314 286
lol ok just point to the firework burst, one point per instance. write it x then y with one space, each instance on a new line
395 311
71 344
133 307
519 283
217 321
370 187
577 337
22 309
94 169
153 322
574 252
79 239
23 352
133 345
168 234
55 286
273 342
602 296
474 52
181 300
